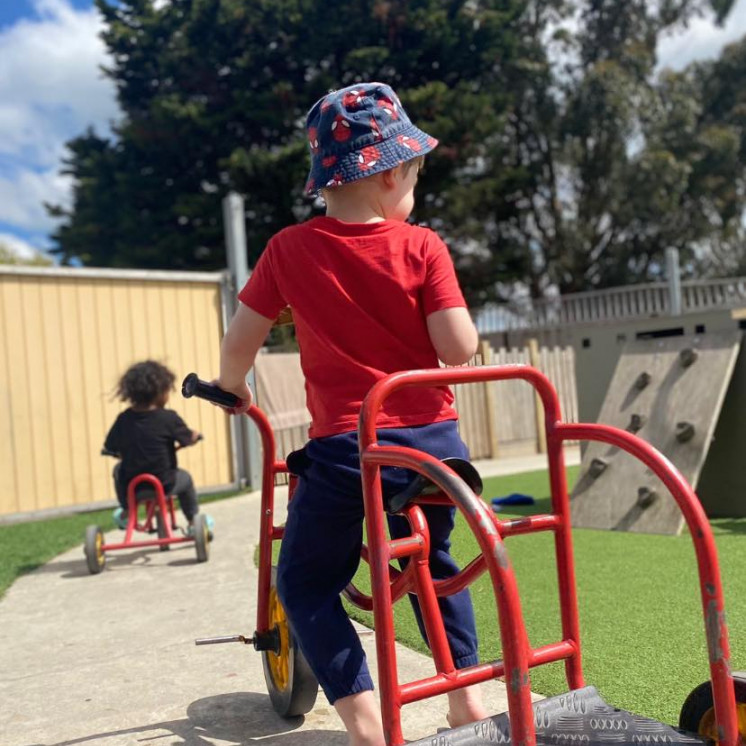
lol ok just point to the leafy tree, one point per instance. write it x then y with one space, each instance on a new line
612 165
214 95
564 161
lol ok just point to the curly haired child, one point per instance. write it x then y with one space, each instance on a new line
145 435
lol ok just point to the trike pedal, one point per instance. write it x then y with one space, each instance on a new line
269 640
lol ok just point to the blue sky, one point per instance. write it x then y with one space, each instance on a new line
51 89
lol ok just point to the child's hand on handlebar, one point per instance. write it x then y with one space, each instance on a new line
242 391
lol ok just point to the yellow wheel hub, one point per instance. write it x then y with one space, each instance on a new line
99 550
708 727
279 665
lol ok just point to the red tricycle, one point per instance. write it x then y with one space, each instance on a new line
712 712
145 494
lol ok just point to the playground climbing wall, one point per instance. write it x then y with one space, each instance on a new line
670 392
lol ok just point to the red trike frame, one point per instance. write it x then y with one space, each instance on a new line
162 502
389 584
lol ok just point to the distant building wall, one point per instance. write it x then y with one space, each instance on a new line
66 336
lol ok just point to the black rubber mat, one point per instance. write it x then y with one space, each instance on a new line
580 717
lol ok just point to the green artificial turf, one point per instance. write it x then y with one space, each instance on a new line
26 546
641 625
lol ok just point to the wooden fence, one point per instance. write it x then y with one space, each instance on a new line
505 418
497 418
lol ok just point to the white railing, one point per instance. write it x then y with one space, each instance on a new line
634 301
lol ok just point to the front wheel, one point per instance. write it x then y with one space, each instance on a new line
94 553
698 713
201 537
291 683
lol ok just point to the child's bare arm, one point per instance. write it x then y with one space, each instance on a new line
453 335
243 339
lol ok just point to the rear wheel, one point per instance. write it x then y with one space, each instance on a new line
94 553
160 524
291 683
698 713
201 537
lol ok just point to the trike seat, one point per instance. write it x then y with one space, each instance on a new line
423 486
298 462
578 717
145 492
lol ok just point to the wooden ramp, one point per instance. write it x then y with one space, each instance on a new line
670 393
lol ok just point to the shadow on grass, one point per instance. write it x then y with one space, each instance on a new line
729 525
239 717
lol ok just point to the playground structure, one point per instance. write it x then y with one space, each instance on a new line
629 327
669 391
579 715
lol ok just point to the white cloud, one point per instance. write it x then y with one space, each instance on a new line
51 89
703 39
23 194
18 246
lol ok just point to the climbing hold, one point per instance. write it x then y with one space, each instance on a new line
688 356
597 467
642 380
646 497
684 431
636 422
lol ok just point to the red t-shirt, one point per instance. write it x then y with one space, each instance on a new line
360 294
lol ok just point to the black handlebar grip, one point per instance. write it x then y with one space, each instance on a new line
192 386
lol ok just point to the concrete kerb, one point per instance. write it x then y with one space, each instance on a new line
80 663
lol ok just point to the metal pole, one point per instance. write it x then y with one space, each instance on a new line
250 462
673 274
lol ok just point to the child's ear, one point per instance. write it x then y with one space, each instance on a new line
389 178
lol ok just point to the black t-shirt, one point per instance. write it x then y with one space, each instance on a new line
145 443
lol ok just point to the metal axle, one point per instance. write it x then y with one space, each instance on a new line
225 638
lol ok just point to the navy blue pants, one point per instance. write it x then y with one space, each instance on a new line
321 546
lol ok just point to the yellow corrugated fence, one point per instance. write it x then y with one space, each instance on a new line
66 335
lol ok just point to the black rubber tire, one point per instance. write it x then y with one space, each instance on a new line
700 702
94 557
160 524
298 695
201 537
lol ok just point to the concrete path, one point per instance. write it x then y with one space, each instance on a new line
110 659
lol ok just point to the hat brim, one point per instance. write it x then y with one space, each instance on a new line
381 155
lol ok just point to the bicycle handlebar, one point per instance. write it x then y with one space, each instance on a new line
192 386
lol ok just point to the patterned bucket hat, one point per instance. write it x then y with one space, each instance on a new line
359 131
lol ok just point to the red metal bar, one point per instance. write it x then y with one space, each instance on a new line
528 525
146 543
160 500
513 634
440 684
711 590
266 519
555 651
432 619
407 547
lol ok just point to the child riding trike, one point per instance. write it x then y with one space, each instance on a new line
149 511
710 713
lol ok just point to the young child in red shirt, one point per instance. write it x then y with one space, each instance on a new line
370 295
